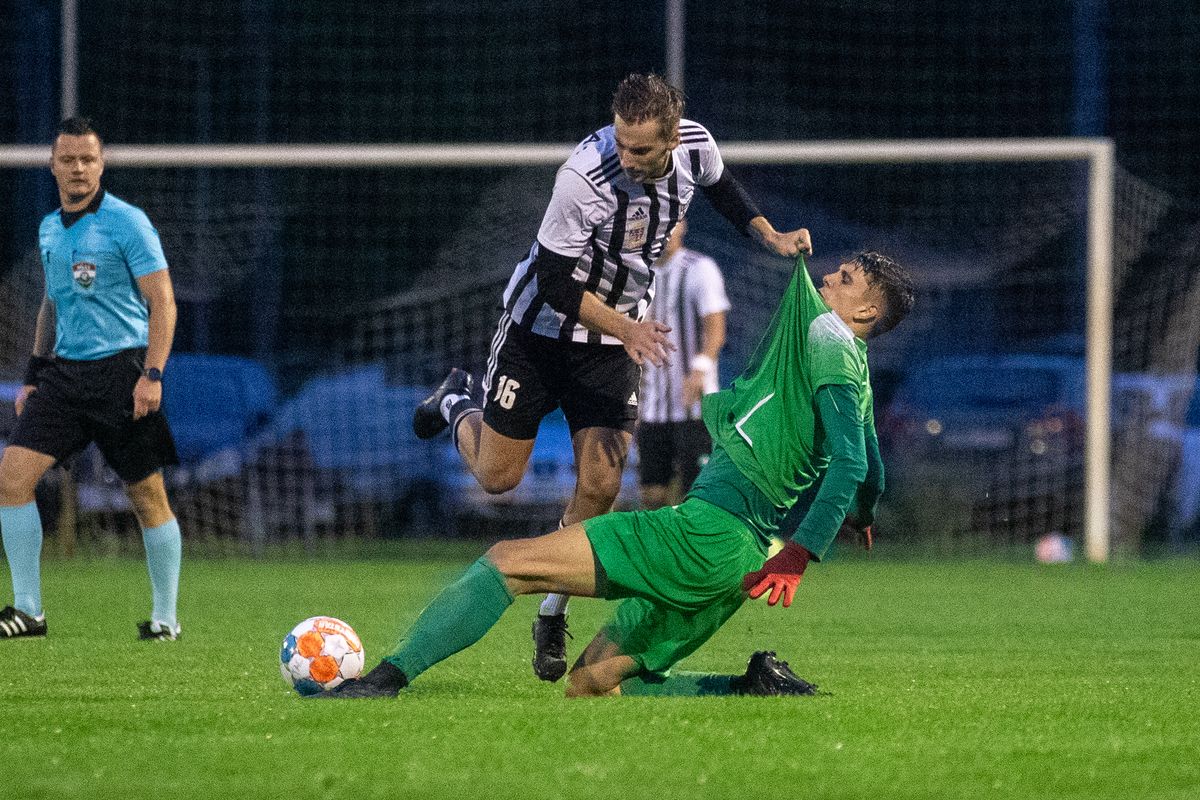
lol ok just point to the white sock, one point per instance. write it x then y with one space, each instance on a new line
447 403
555 604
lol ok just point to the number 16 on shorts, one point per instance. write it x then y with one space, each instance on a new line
506 392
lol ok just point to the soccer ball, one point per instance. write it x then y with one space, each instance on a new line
319 654
1054 548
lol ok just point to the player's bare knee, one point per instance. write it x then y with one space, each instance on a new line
653 496
150 503
14 496
497 476
496 482
15 488
11 494
598 493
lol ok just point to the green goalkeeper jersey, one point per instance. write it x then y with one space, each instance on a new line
766 421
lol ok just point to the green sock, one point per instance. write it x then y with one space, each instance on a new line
457 618
678 684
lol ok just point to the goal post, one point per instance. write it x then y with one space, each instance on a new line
1096 154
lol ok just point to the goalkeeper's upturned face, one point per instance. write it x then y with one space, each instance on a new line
644 152
848 295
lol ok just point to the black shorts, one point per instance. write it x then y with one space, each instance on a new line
667 449
528 376
79 402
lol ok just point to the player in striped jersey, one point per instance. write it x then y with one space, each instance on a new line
574 329
672 441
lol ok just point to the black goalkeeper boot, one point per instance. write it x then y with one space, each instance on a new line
767 676
427 419
385 680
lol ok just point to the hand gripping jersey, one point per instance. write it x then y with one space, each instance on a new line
615 228
766 420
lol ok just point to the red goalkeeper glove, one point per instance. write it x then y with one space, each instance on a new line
781 574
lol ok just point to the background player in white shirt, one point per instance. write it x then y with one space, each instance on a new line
672 441
574 330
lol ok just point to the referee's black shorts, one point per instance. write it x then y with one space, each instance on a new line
529 376
79 402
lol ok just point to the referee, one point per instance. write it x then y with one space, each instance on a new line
109 312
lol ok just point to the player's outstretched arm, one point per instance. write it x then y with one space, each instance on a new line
789 244
733 202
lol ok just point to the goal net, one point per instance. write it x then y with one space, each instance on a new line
322 294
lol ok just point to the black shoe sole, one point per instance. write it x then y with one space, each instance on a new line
428 421
550 672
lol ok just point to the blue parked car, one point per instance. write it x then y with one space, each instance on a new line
215 401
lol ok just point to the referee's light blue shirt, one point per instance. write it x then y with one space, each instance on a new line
91 269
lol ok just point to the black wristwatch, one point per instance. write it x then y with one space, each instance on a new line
152 374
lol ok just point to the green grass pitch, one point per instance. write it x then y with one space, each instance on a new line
948 679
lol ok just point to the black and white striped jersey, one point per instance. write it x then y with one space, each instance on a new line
690 287
616 228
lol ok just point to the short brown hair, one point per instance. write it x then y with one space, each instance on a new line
642 97
895 285
77 126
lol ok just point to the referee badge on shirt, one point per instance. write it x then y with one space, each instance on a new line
635 228
85 273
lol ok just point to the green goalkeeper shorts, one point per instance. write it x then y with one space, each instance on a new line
680 571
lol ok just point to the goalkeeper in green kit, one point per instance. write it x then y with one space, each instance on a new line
794 432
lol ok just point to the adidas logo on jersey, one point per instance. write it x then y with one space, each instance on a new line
632 399
639 214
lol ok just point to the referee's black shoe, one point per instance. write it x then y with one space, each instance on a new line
152 631
550 646
427 419
767 676
385 680
15 623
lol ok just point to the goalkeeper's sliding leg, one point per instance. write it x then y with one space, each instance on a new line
671 607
